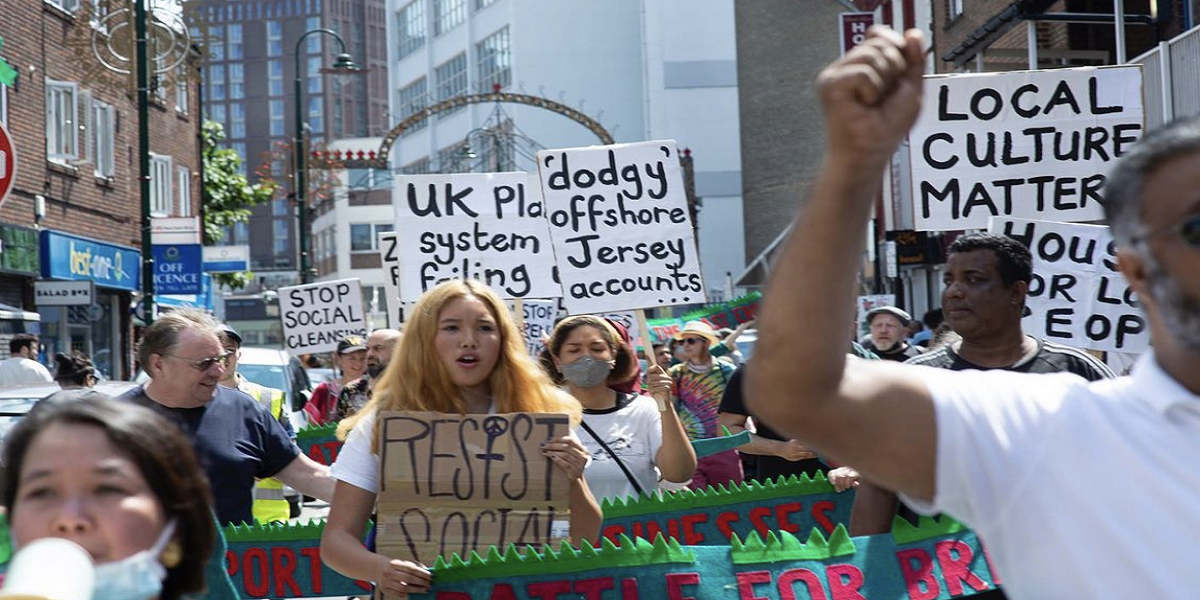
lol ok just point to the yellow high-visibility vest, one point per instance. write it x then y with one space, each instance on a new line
270 505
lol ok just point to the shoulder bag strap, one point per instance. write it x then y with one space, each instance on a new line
632 480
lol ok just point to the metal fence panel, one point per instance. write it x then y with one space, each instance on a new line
1151 88
1185 73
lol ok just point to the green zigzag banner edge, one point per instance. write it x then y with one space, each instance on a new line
720 495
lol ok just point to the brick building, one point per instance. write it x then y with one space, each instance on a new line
74 126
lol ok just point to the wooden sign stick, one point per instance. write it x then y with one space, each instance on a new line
648 348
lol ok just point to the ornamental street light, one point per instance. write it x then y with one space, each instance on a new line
342 64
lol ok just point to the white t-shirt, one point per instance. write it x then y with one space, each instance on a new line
1078 489
357 465
19 370
633 431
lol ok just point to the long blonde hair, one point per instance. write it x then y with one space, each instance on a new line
416 380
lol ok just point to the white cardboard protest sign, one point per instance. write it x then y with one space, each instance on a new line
621 228
397 309
315 316
1077 296
485 226
1024 145
538 323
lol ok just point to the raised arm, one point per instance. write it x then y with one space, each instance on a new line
875 416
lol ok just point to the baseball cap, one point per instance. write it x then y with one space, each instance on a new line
904 317
351 343
231 333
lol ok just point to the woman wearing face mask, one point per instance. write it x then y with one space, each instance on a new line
119 481
629 436
461 353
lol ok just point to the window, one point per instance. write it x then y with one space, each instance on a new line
451 160
241 232
416 167
281 242
216 43
183 180
99 11
452 79
102 134
410 28
233 41
368 179
448 14
275 78
216 112
274 38
313 43
67 5
316 115
4 104
954 7
494 61
240 148
216 82
237 81
276 115
237 120
61 129
181 89
410 100
160 185
364 237
279 207
314 74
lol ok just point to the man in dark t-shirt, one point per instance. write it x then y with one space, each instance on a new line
236 439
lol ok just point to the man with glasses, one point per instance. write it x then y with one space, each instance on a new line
235 437
1067 482
698 384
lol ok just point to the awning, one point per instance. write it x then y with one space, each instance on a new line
12 313
756 273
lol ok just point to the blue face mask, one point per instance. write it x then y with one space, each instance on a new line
137 577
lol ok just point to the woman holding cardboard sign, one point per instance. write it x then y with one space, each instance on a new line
628 436
461 354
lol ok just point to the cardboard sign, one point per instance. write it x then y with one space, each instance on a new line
485 226
456 484
1077 296
315 316
621 228
539 316
1025 145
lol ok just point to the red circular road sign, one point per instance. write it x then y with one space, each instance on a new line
8 163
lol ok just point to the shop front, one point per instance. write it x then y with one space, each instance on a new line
98 326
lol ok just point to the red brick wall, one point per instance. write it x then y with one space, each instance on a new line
43 42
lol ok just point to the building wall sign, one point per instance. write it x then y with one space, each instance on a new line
63 293
66 256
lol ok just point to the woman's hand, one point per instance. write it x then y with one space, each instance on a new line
844 478
568 454
401 577
658 383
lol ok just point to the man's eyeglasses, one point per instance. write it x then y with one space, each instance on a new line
205 364
690 341
1188 231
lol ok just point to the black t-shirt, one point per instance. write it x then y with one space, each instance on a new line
236 440
899 353
769 467
1049 358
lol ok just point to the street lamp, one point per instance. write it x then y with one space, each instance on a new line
341 64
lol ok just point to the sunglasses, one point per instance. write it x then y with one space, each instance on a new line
1188 231
690 341
205 364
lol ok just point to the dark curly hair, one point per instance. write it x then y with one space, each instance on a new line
73 369
1013 260
163 455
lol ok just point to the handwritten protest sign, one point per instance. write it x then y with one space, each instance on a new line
538 323
1077 296
461 483
398 310
315 316
621 228
485 226
1029 144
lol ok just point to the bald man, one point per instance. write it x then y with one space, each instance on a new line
355 395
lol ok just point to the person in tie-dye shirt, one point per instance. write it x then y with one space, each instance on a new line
699 383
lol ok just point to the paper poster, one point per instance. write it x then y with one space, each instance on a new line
538 322
463 483
1023 145
621 228
1077 296
397 309
485 226
316 315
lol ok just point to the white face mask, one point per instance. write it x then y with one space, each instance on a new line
137 577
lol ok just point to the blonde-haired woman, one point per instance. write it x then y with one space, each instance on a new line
461 353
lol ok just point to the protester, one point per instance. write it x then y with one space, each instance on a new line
350 361
236 439
629 436
888 329
772 454
22 367
356 393
697 386
932 319
727 348
121 482
1036 464
461 353
74 371
662 356
270 504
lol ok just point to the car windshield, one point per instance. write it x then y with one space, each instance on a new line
271 376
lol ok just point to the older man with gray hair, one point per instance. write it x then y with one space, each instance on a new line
235 437
1078 489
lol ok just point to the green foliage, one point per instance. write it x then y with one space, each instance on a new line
227 196
781 545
